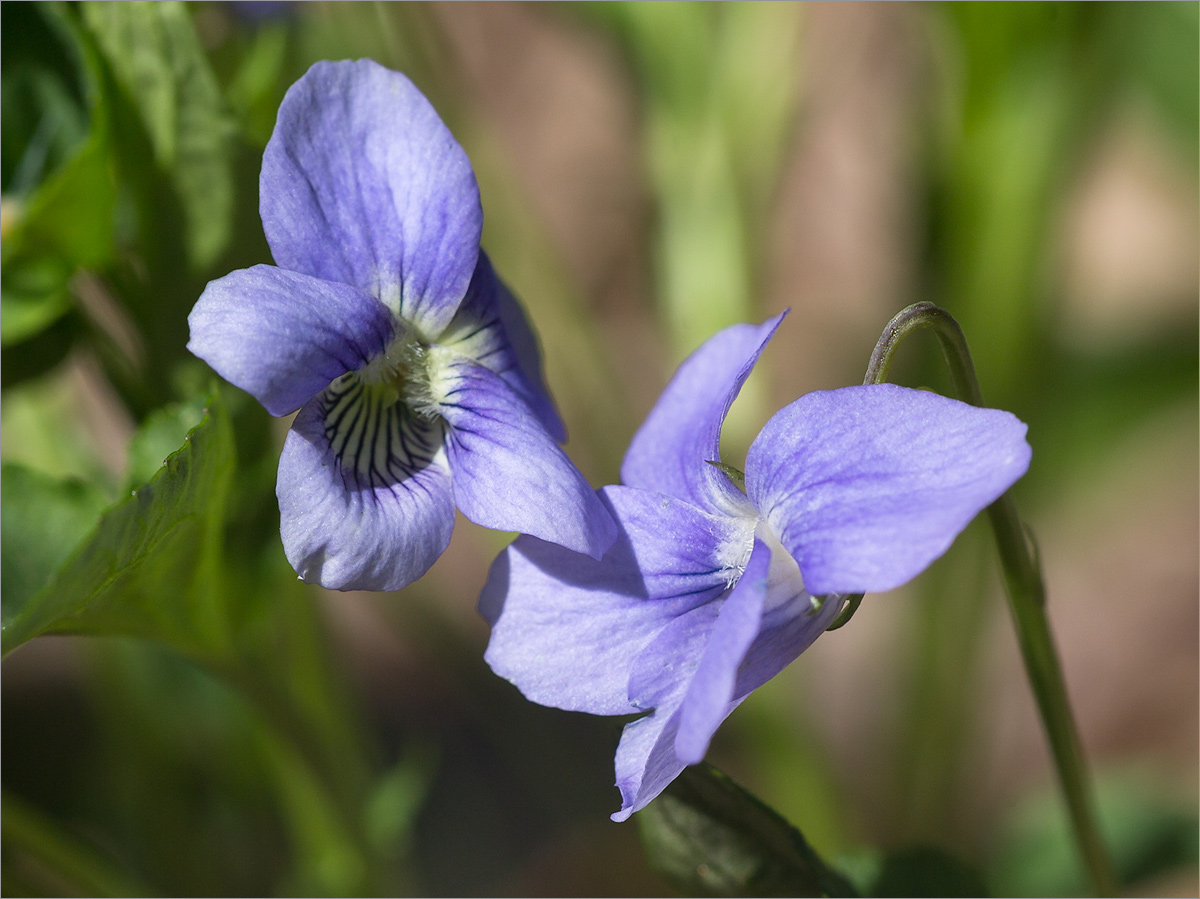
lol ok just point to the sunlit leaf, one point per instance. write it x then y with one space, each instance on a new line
159 64
164 432
44 519
148 567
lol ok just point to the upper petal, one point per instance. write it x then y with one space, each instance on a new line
282 336
490 327
362 183
567 629
365 499
509 473
867 485
671 450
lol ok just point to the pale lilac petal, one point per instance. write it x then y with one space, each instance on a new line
648 757
363 184
663 670
568 629
671 450
490 328
780 642
509 474
365 499
867 485
646 762
283 337
711 689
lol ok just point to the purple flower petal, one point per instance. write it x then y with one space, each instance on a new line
568 629
671 450
867 485
662 670
283 337
509 474
656 748
780 643
646 762
490 328
706 703
363 184
365 500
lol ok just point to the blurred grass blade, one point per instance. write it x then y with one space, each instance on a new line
46 858
66 224
148 567
156 59
710 837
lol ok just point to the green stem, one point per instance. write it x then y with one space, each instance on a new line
1026 595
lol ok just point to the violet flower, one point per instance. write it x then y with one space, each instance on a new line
709 592
416 375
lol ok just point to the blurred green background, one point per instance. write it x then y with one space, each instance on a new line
650 173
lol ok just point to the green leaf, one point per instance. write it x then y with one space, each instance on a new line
156 59
1148 833
163 433
149 567
710 837
33 297
926 872
43 521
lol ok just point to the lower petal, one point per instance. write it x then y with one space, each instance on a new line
568 629
724 658
365 500
706 703
646 760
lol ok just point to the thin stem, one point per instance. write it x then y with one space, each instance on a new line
1026 595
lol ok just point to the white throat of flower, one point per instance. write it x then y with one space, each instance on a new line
786 596
404 372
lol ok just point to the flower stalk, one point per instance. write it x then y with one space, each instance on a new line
1026 595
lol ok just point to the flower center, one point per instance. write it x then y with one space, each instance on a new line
786 596
401 373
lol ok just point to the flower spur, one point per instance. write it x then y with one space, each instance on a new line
416 375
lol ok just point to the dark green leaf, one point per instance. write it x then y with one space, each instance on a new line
710 837
53 859
148 568
926 872
33 297
157 60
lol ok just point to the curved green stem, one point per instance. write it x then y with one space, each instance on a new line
1026 595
